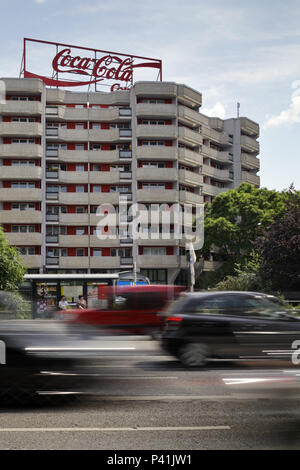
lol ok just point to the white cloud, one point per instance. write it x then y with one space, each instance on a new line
291 115
218 110
40 1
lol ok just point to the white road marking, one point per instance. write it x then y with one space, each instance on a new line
80 349
90 429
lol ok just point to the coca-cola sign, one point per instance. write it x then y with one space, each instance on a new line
112 70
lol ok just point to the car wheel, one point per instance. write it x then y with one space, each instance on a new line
193 355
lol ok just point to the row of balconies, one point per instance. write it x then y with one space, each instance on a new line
85 135
105 262
29 151
62 113
143 195
21 129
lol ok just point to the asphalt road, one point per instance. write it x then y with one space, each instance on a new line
143 399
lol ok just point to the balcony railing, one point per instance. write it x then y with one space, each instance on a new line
125 132
124 261
125 154
52 260
125 112
51 238
52 153
52 217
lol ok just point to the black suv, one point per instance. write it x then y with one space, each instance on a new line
229 325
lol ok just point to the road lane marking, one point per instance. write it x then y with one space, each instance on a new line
90 429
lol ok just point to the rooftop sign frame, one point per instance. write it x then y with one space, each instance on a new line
96 67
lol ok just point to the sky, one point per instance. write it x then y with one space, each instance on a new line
229 50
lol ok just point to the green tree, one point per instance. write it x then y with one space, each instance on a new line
279 249
12 269
234 220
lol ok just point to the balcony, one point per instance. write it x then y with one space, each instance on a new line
216 137
223 175
55 95
251 178
156 152
217 124
190 117
20 172
248 161
32 261
156 131
21 108
190 198
73 240
189 136
156 174
24 239
105 262
73 198
156 196
148 110
102 198
73 262
190 177
155 89
104 177
211 190
169 261
20 217
249 127
21 129
97 242
158 242
25 86
74 219
189 157
189 96
79 177
21 151
18 194
249 144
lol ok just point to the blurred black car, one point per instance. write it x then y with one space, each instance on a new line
229 325
38 358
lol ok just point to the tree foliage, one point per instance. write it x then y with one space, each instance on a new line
279 249
234 221
12 269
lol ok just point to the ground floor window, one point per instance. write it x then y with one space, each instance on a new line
156 276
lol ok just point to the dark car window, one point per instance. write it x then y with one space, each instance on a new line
262 306
213 305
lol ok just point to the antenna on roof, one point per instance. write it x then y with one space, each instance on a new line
238 109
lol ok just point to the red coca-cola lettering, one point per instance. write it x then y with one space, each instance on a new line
116 87
101 66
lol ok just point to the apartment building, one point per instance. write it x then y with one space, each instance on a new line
64 153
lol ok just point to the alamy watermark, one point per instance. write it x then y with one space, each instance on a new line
138 221
2 352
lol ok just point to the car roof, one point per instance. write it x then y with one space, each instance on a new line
199 295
